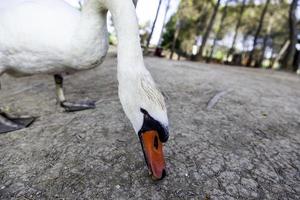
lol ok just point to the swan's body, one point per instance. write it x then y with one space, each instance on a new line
51 37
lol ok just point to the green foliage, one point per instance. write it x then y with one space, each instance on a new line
170 32
193 15
192 19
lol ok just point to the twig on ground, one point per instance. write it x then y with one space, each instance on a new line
213 101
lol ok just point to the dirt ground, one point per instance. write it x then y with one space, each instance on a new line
234 134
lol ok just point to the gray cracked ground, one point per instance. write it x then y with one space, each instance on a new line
245 147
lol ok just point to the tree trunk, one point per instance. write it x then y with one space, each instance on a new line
289 57
238 24
266 38
135 2
164 23
153 26
224 14
260 25
208 30
263 50
281 52
271 59
175 39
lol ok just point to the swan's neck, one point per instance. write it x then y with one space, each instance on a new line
130 58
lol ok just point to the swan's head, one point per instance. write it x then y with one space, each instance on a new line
145 107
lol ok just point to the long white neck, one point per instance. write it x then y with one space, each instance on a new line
130 57
136 87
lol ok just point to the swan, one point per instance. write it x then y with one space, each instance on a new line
51 37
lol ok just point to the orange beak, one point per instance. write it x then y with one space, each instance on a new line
153 152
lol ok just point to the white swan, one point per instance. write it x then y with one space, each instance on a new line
51 37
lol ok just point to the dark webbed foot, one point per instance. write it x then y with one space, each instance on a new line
78 106
70 106
8 124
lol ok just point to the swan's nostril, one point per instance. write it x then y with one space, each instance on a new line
164 174
156 142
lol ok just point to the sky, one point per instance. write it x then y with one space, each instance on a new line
146 10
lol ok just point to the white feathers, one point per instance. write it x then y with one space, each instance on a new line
149 90
139 92
50 36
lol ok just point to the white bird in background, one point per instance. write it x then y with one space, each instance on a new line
51 37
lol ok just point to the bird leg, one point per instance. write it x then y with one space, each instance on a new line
68 105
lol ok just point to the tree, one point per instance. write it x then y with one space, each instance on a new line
224 14
281 52
288 59
244 18
258 30
231 50
180 39
265 41
177 31
135 2
153 26
164 23
208 30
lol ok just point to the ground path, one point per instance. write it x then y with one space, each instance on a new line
235 134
